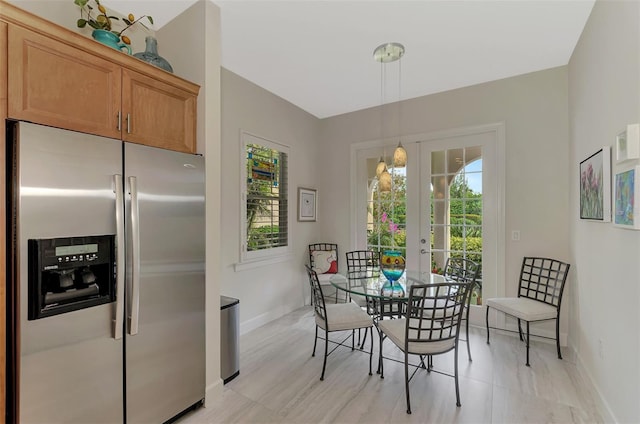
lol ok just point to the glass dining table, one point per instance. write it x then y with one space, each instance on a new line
379 301
371 287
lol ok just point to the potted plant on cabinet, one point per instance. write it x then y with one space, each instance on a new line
102 24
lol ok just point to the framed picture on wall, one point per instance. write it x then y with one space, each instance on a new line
595 186
307 204
627 193
628 144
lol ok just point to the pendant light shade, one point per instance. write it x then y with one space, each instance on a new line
384 181
399 156
382 166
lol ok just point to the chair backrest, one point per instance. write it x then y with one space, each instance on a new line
543 279
461 270
322 247
434 312
363 264
317 296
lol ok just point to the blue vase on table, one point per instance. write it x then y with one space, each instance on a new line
392 265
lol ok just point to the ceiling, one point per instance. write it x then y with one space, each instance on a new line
318 55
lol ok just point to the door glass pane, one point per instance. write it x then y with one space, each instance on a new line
456 208
386 213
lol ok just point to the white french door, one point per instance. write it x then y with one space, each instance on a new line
460 205
466 168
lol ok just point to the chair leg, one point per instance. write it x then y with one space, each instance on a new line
406 381
558 337
527 342
520 330
364 339
455 374
468 340
370 349
315 341
380 364
487 323
353 340
326 350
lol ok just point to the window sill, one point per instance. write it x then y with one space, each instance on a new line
257 263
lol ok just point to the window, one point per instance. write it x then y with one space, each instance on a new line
265 203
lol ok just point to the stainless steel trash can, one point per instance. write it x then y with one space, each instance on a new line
229 338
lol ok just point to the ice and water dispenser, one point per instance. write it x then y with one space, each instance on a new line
70 273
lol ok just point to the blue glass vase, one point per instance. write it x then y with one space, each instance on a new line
150 55
392 265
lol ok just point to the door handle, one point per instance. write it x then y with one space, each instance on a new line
120 259
134 298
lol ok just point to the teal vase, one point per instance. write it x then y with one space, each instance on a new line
392 265
392 289
150 55
110 39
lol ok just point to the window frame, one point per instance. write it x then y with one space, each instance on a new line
253 258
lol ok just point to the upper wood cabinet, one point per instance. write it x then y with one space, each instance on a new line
92 88
55 84
157 114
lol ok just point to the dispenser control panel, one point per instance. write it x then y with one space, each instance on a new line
70 273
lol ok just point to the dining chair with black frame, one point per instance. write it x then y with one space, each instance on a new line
323 259
463 270
430 326
539 298
336 317
363 264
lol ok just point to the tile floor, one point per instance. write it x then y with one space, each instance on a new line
279 382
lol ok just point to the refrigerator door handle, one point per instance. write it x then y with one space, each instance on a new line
134 305
120 259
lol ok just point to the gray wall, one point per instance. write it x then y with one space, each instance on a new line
533 108
268 291
604 96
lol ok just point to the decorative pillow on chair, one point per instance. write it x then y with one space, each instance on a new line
325 261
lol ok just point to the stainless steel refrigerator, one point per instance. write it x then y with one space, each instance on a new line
108 258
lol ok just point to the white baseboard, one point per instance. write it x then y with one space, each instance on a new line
213 392
260 320
601 403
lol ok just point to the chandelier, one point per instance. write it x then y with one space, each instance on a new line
387 53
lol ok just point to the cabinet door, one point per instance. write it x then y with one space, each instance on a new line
55 84
158 114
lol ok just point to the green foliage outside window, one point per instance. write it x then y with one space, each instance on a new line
388 214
